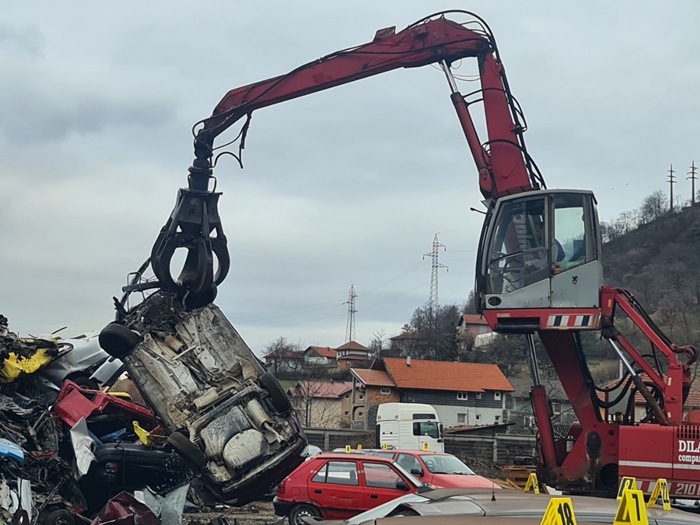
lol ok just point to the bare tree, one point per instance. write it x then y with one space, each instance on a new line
378 342
653 207
318 403
282 356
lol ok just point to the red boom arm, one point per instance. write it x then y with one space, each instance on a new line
503 167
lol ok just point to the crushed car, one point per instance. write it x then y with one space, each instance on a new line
228 418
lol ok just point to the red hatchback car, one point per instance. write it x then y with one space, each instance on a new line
436 468
338 486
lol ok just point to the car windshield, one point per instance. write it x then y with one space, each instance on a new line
437 464
385 509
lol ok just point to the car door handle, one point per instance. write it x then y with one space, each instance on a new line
318 491
374 496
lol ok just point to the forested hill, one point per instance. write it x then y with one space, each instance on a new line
659 262
657 259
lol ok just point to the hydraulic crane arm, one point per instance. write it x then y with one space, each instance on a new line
504 167
502 161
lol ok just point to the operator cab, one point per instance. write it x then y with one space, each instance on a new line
540 249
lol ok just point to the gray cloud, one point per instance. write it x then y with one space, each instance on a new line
346 186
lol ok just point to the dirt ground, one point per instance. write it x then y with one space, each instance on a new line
257 513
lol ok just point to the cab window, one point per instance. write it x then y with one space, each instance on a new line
337 473
519 251
570 232
426 429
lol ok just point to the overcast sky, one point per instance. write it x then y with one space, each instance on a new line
343 187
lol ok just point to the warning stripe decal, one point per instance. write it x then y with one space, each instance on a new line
563 322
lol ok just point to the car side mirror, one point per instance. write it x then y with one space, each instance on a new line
401 484
417 472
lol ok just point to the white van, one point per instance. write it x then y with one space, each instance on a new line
408 426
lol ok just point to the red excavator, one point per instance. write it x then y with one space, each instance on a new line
538 272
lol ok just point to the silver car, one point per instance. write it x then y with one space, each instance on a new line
472 505
229 418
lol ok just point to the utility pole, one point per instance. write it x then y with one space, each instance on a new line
671 182
433 303
692 177
350 328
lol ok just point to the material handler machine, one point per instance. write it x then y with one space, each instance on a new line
538 271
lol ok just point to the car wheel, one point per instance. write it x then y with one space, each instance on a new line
117 340
278 398
302 511
188 450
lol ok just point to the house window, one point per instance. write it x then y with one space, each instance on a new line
462 396
497 396
529 421
497 419
478 395
385 391
461 418
347 412
556 408
478 417
361 397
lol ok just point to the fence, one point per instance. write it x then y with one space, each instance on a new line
480 452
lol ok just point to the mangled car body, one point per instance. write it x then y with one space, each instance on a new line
228 418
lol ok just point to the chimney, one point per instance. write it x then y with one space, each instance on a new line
408 360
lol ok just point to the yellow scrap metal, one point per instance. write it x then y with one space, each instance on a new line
15 365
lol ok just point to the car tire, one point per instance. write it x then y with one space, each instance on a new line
278 398
188 450
117 340
302 511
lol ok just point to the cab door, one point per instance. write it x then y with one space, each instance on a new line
577 271
380 483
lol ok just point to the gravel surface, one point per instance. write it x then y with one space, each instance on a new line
257 513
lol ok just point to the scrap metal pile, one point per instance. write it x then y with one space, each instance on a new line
59 477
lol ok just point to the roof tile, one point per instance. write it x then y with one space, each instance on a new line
373 377
446 375
353 345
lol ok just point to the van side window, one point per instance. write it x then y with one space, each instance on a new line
338 473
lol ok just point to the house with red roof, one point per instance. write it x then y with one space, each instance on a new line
353 354
322 404
471 394
321 355
370 388
474 323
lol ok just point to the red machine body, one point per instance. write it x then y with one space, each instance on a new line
556 300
